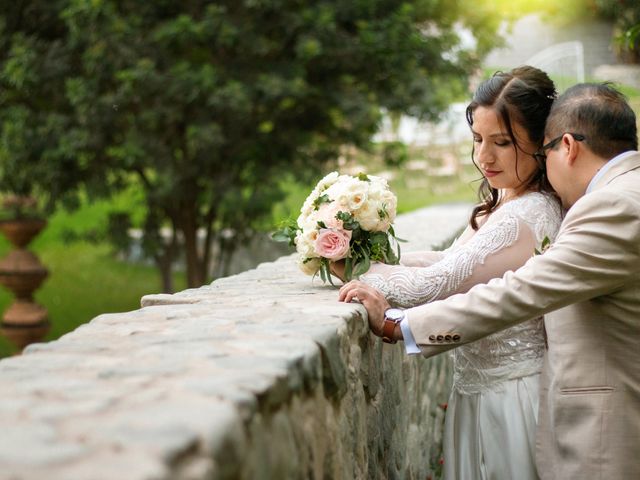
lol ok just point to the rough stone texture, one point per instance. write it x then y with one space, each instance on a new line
262 375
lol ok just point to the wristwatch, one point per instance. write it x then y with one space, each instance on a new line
392 317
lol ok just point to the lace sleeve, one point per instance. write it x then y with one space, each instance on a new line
420 259
423 258
505 242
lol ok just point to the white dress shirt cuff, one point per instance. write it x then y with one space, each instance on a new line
409 342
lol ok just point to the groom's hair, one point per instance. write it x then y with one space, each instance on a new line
600 113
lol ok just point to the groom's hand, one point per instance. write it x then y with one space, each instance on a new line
372 299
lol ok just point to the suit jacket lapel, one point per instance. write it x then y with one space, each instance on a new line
632 162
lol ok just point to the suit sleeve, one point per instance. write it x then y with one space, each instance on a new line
595 253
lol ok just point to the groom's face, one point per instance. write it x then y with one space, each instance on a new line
557 171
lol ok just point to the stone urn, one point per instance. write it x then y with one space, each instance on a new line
21 272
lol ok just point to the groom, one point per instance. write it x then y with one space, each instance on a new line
587 283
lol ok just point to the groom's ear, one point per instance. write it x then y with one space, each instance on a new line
572 149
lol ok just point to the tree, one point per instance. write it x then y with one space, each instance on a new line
625 15
35 116
208 105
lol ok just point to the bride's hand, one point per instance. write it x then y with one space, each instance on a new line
337 269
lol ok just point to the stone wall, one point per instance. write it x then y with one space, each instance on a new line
261 375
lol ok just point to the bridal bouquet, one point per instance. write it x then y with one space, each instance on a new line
344 218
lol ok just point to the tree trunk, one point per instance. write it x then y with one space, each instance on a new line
208 242
165 273
226 261
164 261
193 260
226 249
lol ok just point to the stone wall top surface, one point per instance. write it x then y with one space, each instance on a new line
155 391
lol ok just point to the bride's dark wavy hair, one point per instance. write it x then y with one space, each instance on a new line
524 96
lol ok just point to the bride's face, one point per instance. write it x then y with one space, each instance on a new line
504 164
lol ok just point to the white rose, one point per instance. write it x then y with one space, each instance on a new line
308 205
367 216
306 210
310 267
308 222
376 190
379 181
305 243
390 204
327 181
334 190
354 194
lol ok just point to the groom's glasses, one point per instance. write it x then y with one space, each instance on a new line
541 157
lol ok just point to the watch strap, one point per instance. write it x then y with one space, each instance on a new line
388 328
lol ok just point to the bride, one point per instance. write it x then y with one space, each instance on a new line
492 410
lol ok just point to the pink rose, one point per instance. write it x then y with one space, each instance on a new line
327 213
333 243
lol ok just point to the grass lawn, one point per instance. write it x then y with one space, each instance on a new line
85 279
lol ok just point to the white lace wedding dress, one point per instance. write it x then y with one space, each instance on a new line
492 410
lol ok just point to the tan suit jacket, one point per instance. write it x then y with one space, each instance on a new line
588 284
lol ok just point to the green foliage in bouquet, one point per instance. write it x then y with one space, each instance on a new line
544 246
366 247
287 231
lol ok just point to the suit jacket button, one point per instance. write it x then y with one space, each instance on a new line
439 338
447 338
432 338
455 337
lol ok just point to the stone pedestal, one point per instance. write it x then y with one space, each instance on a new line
25 321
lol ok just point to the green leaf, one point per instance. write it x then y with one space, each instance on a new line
348 222
348 269
545 242
324 198
544 245
363 265
379 238
393 258
325 271
280 236
287 232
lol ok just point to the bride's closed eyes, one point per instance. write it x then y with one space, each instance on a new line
502 142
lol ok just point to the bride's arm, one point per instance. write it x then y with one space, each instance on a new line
423 258
407 259
503 243
420 259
